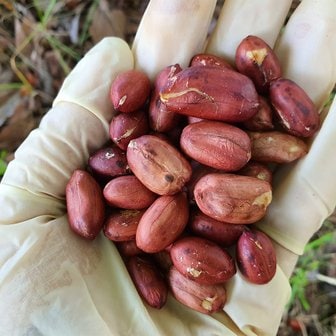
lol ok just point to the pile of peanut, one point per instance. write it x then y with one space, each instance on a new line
188 171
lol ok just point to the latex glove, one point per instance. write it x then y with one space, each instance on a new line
55 283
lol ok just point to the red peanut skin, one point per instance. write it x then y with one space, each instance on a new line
192 120
125 127
148 281
127 192
202 260
224 234
258 170
121 225
210 92
256 59
198 170
129 91
162 223
263 119
210 60
233 198
85 205
128 248
206 299
256 257
166 75
276 147
158 164
163 260
216 144
108 162
294 108
160 119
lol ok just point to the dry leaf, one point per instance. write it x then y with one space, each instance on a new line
17 121
8 103
71 4
24 26
107 22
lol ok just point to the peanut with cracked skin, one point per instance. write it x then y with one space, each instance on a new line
233 198
202 260
206 299
158 164
210 60
211 93
160 119
125 127
256 59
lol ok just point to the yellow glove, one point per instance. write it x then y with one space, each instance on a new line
55 283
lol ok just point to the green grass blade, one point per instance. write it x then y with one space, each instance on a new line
38 10
10 86
48 12
86 24
317 243
3 163
57 44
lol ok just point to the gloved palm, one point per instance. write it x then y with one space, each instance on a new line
55 283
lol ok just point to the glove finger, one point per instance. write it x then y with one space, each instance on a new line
305 193
45 160
75 126
239 18
89 83
248 303
171 32
307 48
291 201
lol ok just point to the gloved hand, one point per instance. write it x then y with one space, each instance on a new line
55 283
